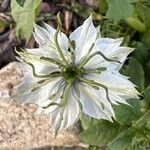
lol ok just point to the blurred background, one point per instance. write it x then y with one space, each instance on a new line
117 18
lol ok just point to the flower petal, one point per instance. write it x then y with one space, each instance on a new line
41 66
63 117
44 51
112 50
84 36
57 99
39 95
117 84
62 38
45 37
94 104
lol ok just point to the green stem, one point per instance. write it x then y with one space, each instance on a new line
136 24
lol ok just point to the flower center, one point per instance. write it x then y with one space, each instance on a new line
71 73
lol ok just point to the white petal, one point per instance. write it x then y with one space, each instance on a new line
45 37
56 99
93 102
44 51
41 94
41 66
41 35
62 38
84 36
107 45
112 50
116 82
63 117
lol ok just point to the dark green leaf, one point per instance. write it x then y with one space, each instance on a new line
119 9
20 2
126 114
146 38
141 122
141 53
122 141
135 71
146 101
101 134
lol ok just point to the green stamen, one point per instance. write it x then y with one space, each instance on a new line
57 62
56 40
64 97
92 82
72 47
54 74
93 55
98 70
26 54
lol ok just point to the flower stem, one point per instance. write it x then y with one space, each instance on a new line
136 24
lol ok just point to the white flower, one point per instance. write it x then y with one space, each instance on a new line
69 76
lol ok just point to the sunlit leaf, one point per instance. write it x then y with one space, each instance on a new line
119 9
25 16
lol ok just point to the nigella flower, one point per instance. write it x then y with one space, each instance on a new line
67 76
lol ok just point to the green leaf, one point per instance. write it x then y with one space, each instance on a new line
25 16
20 2
143 12
101 133
146 38
126 114
135 71
147 95
119 9
141 122
123 140
87 121
141 53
